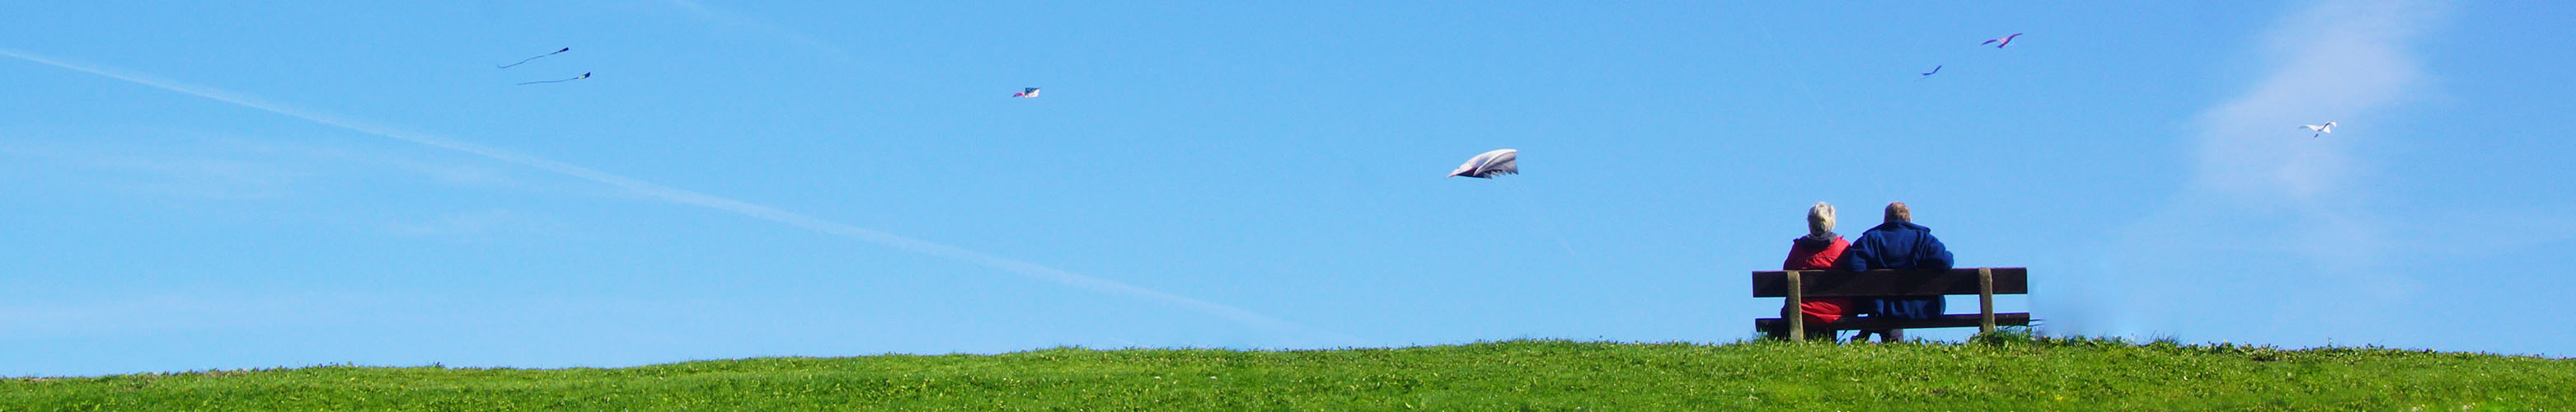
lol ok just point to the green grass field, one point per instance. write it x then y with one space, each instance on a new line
2008 371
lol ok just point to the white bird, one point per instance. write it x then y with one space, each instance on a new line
2320 129
1490 164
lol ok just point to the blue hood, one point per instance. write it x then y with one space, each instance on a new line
1897 245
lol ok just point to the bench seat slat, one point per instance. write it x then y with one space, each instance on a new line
1883 282
1944 321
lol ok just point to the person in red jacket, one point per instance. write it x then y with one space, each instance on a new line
1820 249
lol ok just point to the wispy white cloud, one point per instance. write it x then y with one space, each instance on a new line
159 172
199 164
157 313
2269 208
475 223
736 19
459 174
2337 61
693 198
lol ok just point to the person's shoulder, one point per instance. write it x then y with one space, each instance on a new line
1890 227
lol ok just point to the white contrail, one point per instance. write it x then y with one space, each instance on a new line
687 197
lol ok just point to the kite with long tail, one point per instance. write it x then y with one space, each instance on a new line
566 49
584 75
1926 75
2001 42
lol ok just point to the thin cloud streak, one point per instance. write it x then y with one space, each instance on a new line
687 197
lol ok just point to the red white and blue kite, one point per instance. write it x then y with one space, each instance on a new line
2320 129
1490 164
1026 93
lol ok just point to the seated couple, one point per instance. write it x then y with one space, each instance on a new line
1896 244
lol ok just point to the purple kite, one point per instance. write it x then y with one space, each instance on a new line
1926 75
1026 93
1999 43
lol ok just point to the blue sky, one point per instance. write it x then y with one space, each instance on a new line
193 186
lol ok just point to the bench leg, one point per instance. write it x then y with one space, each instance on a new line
1797 302
1986 300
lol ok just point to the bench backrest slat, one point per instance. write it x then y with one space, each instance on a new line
1884 282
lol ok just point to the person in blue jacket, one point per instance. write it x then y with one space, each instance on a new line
1897 244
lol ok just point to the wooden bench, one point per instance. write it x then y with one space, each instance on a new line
1797 285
